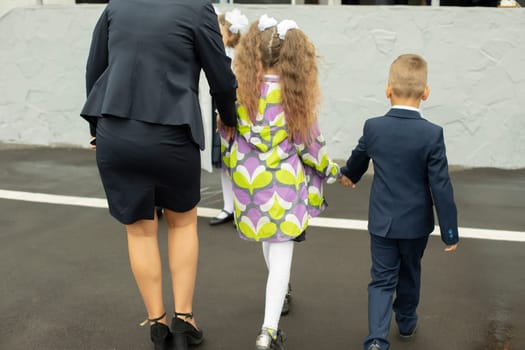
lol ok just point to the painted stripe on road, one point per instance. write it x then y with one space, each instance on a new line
349 224
54 199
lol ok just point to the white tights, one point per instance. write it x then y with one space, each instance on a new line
278 257
227 191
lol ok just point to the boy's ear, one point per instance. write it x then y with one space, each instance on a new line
388 91
425 93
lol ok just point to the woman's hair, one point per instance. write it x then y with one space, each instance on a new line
233 38
408 76
294 58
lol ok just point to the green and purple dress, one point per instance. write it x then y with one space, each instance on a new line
277 183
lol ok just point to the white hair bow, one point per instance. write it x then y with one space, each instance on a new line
284 26
238 21
266 22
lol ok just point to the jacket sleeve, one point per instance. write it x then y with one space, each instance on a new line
315 156
442 192
359 160
216 65
98 59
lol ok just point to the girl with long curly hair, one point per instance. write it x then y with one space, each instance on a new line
276 156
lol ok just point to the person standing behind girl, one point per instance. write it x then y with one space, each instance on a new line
232 23
276 155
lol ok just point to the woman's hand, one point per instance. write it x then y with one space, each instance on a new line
93 143
228 131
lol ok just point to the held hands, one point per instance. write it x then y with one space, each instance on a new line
229 131
346 182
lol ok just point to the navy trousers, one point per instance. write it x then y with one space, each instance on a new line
396 268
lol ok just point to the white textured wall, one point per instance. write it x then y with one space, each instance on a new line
7 5
476 59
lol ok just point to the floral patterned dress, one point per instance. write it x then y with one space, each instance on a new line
277 184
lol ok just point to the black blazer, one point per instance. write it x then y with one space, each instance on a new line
410 175
145 61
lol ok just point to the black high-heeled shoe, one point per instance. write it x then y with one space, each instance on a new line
184 331
160 334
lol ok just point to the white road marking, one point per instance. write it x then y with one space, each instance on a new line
347 224
54 199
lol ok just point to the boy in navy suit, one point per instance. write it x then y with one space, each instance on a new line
410 177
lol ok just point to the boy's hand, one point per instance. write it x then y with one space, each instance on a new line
451 248
346 182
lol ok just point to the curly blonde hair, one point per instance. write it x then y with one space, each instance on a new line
295 60
233 38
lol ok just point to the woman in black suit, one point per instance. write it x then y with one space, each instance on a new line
143 109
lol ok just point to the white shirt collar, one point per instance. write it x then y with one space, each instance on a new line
410 108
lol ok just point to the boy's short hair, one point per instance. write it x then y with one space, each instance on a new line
408 76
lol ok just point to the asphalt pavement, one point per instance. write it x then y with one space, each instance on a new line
66 281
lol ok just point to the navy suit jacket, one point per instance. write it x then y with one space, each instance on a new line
145 61
410 176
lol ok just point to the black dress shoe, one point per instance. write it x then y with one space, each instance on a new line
408 336
222 219
183 330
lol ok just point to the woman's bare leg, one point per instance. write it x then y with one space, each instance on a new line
146 264
183 252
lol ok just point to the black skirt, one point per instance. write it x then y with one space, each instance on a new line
144 165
